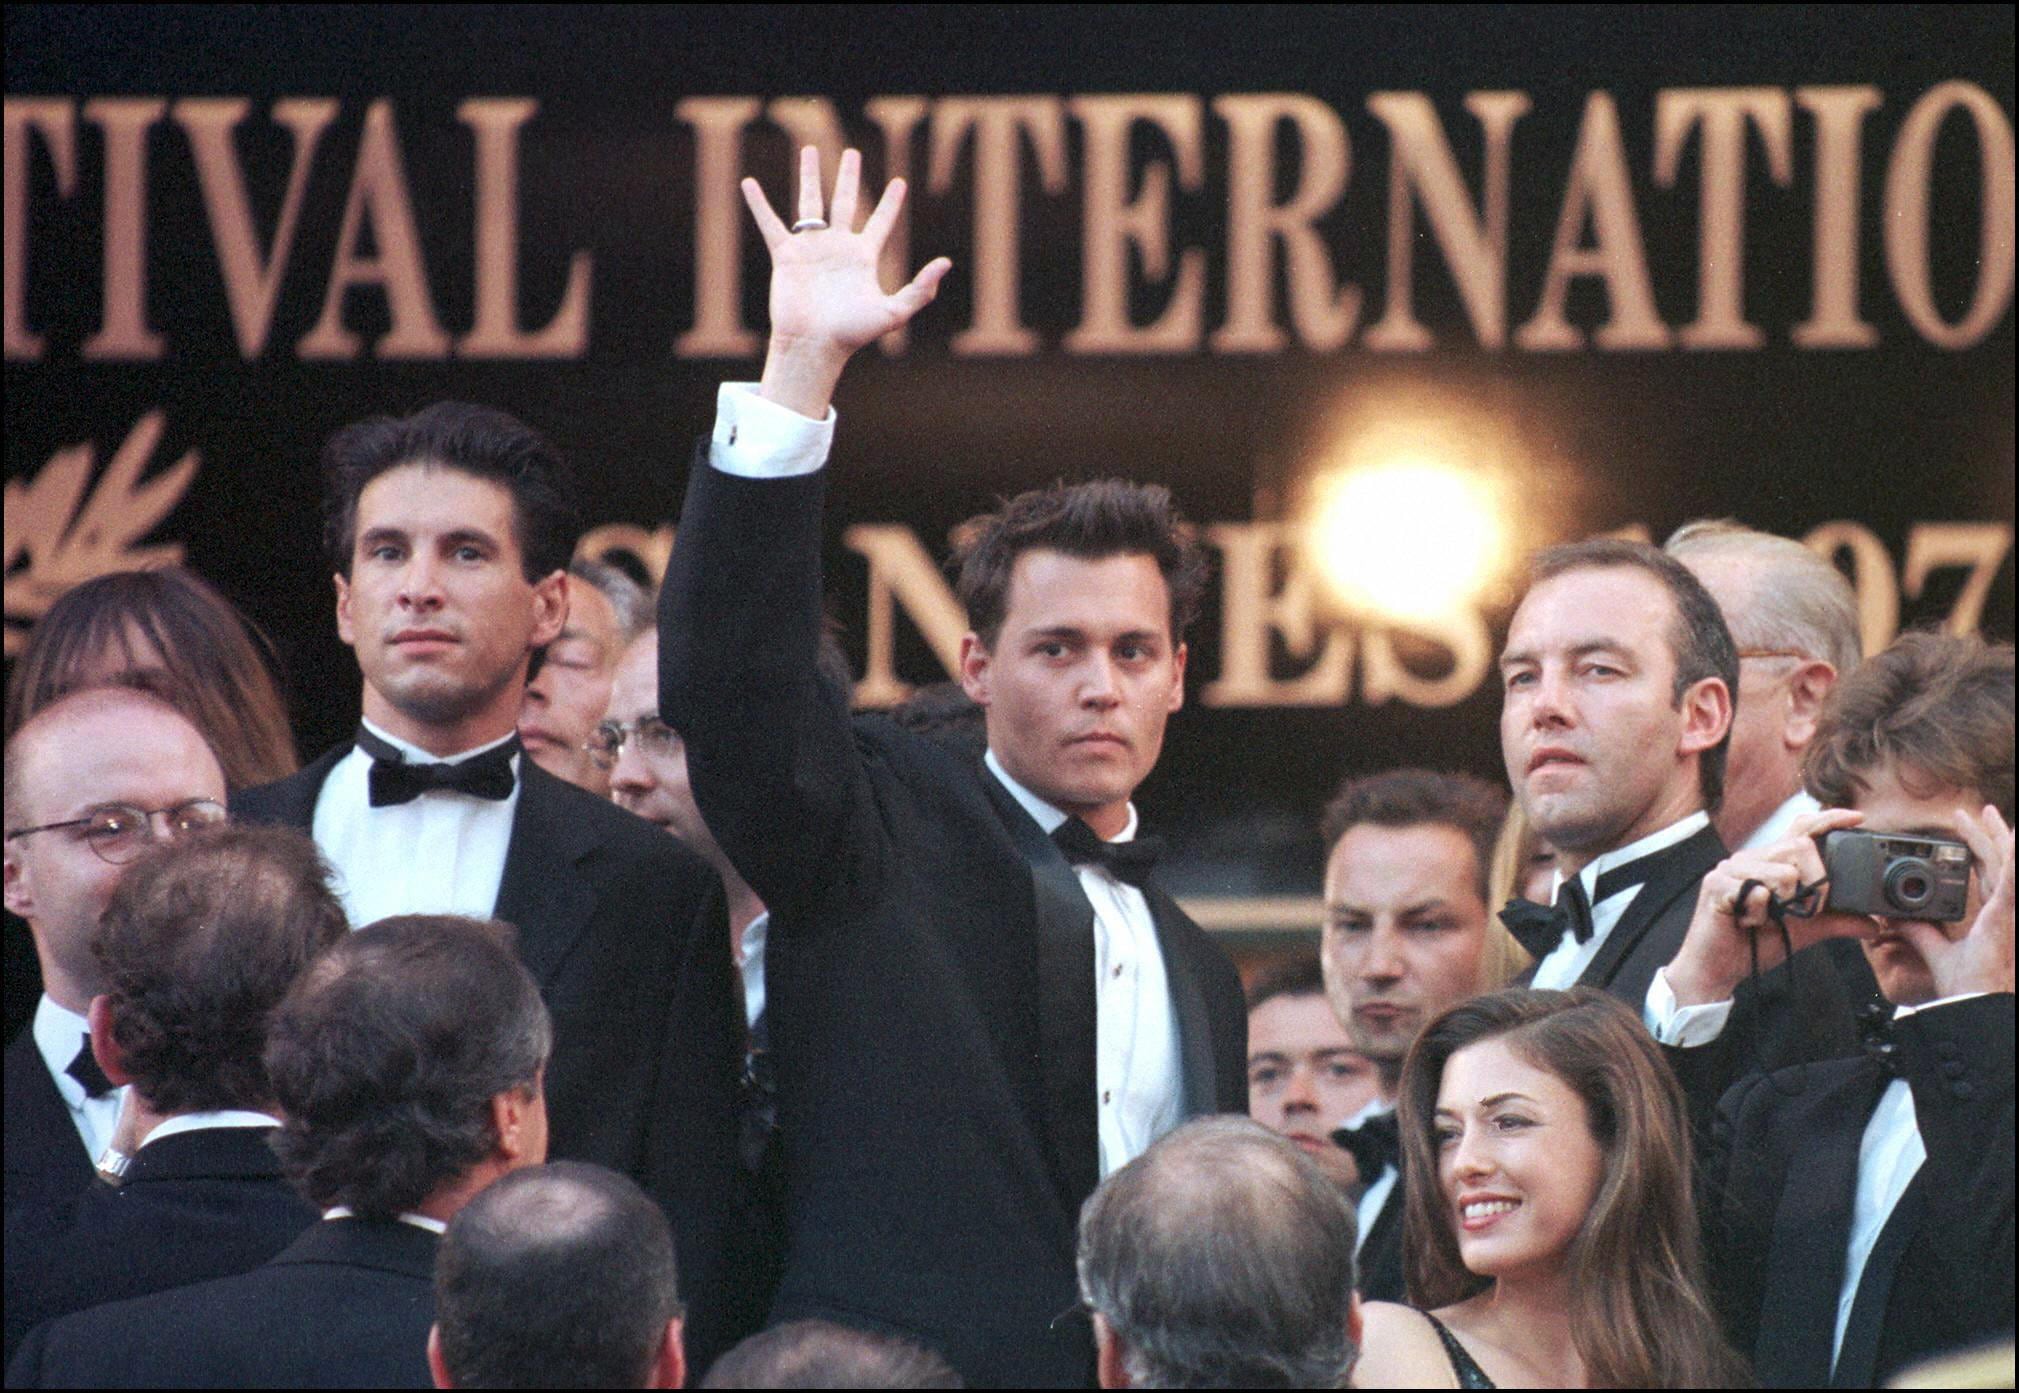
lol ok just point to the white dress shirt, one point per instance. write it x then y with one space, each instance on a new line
1374 1197
1566 962
419 1221
1137 1077
1890 1152
1780 820
1136 1073
441 853
59 1032
218 1120
750 962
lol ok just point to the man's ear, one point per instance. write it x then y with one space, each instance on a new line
438 1368
1178 656
511 1121
974 667
669 1366
1110 1370
1706 716
345 630
104 1048
1355 1326
550 609
1808 689
13 877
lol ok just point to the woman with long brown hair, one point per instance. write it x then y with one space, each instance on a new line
169 630
1550 1232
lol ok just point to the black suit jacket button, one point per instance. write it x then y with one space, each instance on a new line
1962 1088
1946 1049
1954 1068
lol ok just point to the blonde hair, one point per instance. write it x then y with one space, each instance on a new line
1503 959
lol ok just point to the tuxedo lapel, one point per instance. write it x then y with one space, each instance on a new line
1066 1009
543 893
288 802
1681 868
1805 1262
1857 1361
1188 1004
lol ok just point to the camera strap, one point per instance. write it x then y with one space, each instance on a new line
1805 903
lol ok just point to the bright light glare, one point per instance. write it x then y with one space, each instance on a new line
1409 538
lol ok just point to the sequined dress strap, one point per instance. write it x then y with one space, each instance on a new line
1468 1373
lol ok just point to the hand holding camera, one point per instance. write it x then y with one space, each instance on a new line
1979 957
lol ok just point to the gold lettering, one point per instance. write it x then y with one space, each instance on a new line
495 332
1475 250
1598 190
1723 114
1384 676
379 192
251 281
1907 179
1114 223
997 123
1872 578
902 573
124 333
719 331
1934 546
1253 608
1833 320
898 117
1324 316
56 119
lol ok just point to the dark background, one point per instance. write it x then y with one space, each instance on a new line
1784 438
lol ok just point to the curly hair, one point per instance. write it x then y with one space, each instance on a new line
387 1054
199 943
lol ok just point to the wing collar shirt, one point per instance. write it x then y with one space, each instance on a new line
1568 960
59 1032
441 853
1136 1071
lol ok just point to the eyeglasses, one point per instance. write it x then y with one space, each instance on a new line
1745 653
656 740
119 833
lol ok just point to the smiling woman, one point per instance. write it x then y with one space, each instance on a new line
1550 1236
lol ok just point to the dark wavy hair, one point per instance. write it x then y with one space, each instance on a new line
1639 1315
480 441
200 942
1106 517
386 1055
1699 638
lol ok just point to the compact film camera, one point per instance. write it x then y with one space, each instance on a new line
1896 877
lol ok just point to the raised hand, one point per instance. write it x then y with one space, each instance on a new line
1979 959
1725 933
826 301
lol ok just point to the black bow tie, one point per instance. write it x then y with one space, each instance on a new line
85 1070
1875 1034
1129 862
1540 928
394 780
1376 1145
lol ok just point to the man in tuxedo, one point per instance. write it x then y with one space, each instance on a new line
1794 619
450 533
198 945
1304 1071
557 1276
972 1021
91 781
1407 935
407 1063
1859 1212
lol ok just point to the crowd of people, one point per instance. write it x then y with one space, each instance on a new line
620 1009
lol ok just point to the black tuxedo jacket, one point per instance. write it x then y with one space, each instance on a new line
929 969
1379 1263
347 1305
45 1158
193 1206
622 929
1779 1189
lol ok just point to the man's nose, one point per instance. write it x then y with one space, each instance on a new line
1100 685
1300 1094
1384 961
420 583
1549 703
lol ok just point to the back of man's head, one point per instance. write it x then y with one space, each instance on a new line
387 1054
1222 1257
1088 521
198 945
1934 708
1777 596
558 1276
821 1354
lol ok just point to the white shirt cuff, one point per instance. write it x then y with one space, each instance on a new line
1900 1013
1682 1026
760 439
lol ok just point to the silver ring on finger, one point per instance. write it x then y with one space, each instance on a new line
810 225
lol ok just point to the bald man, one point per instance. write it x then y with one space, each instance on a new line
91 781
